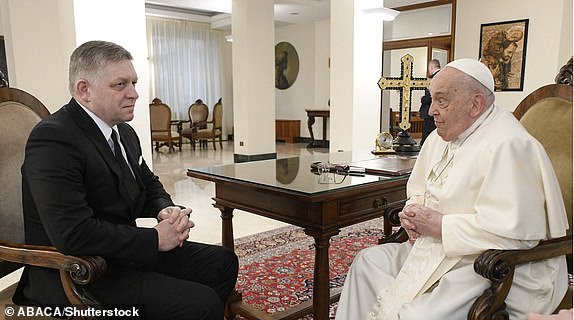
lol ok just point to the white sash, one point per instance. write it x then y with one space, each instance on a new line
425 265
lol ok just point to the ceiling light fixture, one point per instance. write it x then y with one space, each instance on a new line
229 38
385 13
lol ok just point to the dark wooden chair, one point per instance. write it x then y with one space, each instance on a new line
214 127
19 113
161 126
547 114
198 114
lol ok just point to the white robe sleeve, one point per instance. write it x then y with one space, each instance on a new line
510 208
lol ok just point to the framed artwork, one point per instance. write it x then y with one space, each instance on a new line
503 51
3 62
286 65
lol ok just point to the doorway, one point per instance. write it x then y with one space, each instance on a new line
425 31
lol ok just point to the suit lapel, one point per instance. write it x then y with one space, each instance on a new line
94 134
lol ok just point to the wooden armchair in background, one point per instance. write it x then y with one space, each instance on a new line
19 113
161 126
214 127
198 113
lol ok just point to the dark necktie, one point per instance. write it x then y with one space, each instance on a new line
119 156
128 180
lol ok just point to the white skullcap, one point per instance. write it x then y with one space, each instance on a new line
475 69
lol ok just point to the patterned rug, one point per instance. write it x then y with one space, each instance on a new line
276 267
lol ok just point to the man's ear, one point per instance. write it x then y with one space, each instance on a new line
82 90
478 105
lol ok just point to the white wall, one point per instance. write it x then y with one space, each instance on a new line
227 88
565 51
129 31
39 38
253 77
356 47
367 66
302 91
322 56
41 34
291 103
549 37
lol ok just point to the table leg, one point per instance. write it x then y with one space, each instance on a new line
227 242
324 132
321 290
310 122
226 226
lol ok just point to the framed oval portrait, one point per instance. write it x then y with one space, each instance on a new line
286 65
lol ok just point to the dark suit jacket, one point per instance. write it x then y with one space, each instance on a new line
73 199
426 101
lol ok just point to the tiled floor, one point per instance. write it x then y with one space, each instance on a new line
197 194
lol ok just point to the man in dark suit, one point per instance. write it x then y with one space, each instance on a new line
82 196
426 100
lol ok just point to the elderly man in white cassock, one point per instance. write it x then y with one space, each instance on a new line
480 182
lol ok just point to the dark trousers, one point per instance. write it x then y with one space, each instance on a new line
191 282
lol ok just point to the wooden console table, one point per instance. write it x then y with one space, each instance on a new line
321 209
288 130
311 114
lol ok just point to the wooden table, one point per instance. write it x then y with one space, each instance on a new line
311 114
286 190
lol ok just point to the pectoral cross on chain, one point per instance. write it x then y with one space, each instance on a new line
405 84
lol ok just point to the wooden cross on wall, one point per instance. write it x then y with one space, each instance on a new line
405 84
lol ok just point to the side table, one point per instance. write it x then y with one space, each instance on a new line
311 114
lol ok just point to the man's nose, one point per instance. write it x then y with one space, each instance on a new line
132 92
432 108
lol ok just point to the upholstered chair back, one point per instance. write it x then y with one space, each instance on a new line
549 119
160 118
198 112
214 126
19 113
218 116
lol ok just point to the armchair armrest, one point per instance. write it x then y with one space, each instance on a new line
199 124
398 236
178 124
73 270
392 219
184 121
498 267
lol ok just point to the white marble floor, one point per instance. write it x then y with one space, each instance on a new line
197 194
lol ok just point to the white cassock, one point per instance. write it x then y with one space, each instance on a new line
497 190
